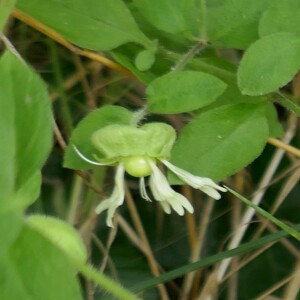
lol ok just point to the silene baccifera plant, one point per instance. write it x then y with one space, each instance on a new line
138 151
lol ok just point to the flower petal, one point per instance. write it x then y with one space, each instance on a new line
163 193
204 184
116 199
85 158
143 191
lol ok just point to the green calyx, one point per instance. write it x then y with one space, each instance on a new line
117 142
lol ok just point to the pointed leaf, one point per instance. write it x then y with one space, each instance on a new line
269 63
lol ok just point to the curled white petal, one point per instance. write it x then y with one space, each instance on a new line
143 191
204 184
167 197
85 158
116 199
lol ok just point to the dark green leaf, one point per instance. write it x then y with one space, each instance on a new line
97 25
222 141
81 136
25 125
183 91
269 63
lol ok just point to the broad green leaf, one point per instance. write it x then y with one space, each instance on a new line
221 141
282 16
5 9
183 91
234 23
25 125
96 25
35 269
269 63
173 16
81 136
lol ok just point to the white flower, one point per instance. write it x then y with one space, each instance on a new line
142 166
117 197
204 184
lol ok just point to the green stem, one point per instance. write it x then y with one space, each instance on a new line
104 282
202 17
188 56
287 103
65 111
267 215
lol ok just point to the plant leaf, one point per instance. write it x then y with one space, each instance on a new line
234 23
221 141
183 91
81 136
281 16
35 269
262 69
25 125
96 25
176 16
5 8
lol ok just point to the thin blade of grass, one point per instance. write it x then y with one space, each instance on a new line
244 248
267 215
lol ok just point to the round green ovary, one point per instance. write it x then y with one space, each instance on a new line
138 166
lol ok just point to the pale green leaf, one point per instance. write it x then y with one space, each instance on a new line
183 91
221 141
97 25
269 63
25 125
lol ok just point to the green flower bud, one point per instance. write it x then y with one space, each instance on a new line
138 166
